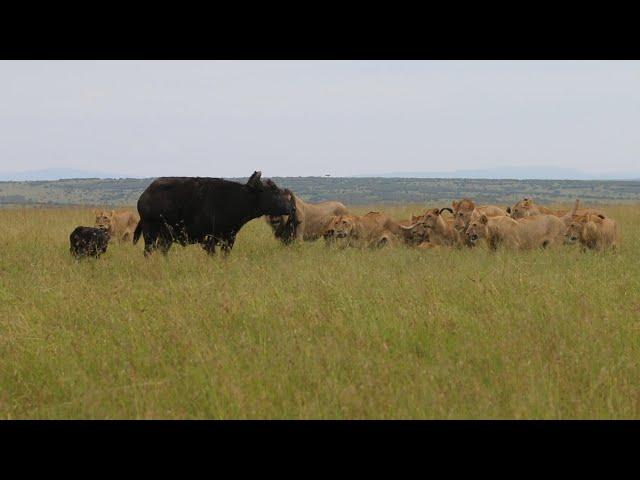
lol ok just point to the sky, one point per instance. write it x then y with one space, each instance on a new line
302 118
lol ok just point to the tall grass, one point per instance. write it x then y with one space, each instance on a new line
311 332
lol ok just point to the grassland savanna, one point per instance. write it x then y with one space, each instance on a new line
309 332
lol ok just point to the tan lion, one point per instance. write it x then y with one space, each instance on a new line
371 230
308 222
465 210
526 208
119 225
538 231
434 228
594 232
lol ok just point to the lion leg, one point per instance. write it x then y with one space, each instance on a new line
127 236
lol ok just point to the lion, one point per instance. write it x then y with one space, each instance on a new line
465 210
593 232
434 228
538 231
526 208
308 221
120 225
371 230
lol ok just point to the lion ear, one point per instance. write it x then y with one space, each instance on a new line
601 216
484 219
508 210
454 204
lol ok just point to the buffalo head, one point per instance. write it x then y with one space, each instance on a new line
270 199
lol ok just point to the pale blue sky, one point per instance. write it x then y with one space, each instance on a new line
288 118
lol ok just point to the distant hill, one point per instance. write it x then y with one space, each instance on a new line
55 174
516 173
351 191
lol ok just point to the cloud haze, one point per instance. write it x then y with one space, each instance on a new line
221 118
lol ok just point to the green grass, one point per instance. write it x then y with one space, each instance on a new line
307 332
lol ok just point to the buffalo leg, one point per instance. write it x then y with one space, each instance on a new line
227 244
148 249
165 239
164 245
209 245
226 248
150 233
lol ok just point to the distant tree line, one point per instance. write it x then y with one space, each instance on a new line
348 190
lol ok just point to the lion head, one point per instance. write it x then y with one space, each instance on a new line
574 230
476 230
341 226
103 219
583 228
432 217
521 209
462 211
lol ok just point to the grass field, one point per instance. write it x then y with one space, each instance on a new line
307 332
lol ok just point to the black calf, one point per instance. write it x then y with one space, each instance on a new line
88 242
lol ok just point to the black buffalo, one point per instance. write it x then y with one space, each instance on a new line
208 211
88 242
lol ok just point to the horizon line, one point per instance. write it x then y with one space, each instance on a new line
355 177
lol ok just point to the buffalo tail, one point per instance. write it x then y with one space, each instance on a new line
137 232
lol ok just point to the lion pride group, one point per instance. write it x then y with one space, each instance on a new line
524 226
